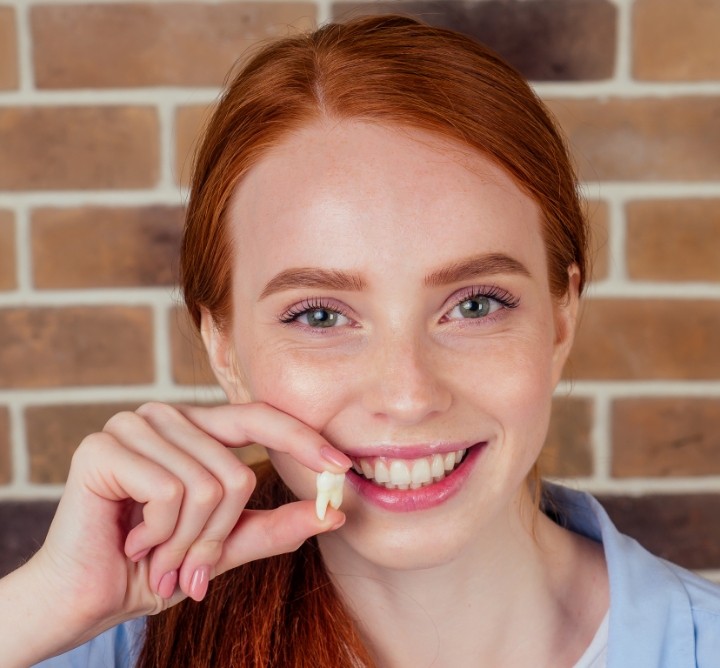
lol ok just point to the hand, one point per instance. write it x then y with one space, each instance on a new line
154 508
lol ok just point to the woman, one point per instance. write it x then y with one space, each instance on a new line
384 253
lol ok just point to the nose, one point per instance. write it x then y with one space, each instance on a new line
405 383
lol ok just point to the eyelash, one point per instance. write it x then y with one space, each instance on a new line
312 304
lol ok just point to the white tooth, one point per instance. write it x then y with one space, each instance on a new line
321 504
325 481
381 472
329 490
416 485
449 461
336 497
399 472
357 469
367 469
403 486
437 468
459 455
421 472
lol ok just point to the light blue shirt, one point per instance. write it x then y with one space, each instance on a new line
661 615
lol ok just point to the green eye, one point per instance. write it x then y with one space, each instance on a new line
320 317
477 307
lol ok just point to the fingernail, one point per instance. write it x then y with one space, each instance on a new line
140 555
335 457
167 584
199 583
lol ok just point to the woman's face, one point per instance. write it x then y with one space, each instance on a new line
390 290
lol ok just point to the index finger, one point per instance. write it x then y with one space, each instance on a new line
237 425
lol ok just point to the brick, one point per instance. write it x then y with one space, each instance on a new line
23 526
668 436
190 123
60 148
8 279
687 33
152 44
550 40
5 455
683 528
106 247
568 447
643 139
598 215
673 240
8 49
190 365
57 347
637 339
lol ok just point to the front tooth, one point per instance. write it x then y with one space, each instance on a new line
449 461
321 504
437 468
399 473
381 472
421 472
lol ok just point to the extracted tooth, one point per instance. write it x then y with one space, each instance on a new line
329 491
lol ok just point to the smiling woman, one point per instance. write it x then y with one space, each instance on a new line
384 252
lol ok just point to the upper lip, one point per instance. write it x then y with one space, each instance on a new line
409 451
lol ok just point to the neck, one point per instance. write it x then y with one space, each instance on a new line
524 589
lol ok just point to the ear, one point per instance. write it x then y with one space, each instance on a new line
220 351
566 318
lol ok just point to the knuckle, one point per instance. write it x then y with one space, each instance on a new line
155 410
240 480
207 492
169 491
120 421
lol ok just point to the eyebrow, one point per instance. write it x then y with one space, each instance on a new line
477 265
312 277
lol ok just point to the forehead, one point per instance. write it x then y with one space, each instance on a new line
354 193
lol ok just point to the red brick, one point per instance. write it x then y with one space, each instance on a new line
8 279
683 528
636 339
676 41
190 123
152 44
668 436
674 240
599 215
568 448
57 347
643 139
5 455
106 247
78 147
8 49
190 365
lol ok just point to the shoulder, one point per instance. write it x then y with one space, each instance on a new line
117 647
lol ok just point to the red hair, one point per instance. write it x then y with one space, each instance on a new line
389 70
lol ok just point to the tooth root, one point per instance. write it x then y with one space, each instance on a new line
437 467
321 504
336 496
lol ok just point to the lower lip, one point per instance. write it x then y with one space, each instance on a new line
408 500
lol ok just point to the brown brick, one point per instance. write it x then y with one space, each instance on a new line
5 456
78 147
545 40
189 125
152 44
674 240
105 247
190 365
8 280
23 526
643 139
56 347
676 41
568 448
676 436
599 215
636 339
684 528
8 49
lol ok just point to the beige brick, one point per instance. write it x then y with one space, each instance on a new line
152 43
638 339
568 448
190 365
676 41
78 147
668 436
57 347
5 455
106 247
8 49
8 279
190 122
674 240
643 139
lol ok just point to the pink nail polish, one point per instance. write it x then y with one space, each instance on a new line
199 583
335 457
167 584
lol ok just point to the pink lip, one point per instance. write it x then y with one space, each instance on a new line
413 451
408 500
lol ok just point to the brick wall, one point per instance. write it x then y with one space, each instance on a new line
99 106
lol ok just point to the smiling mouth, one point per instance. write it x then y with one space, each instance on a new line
393 473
